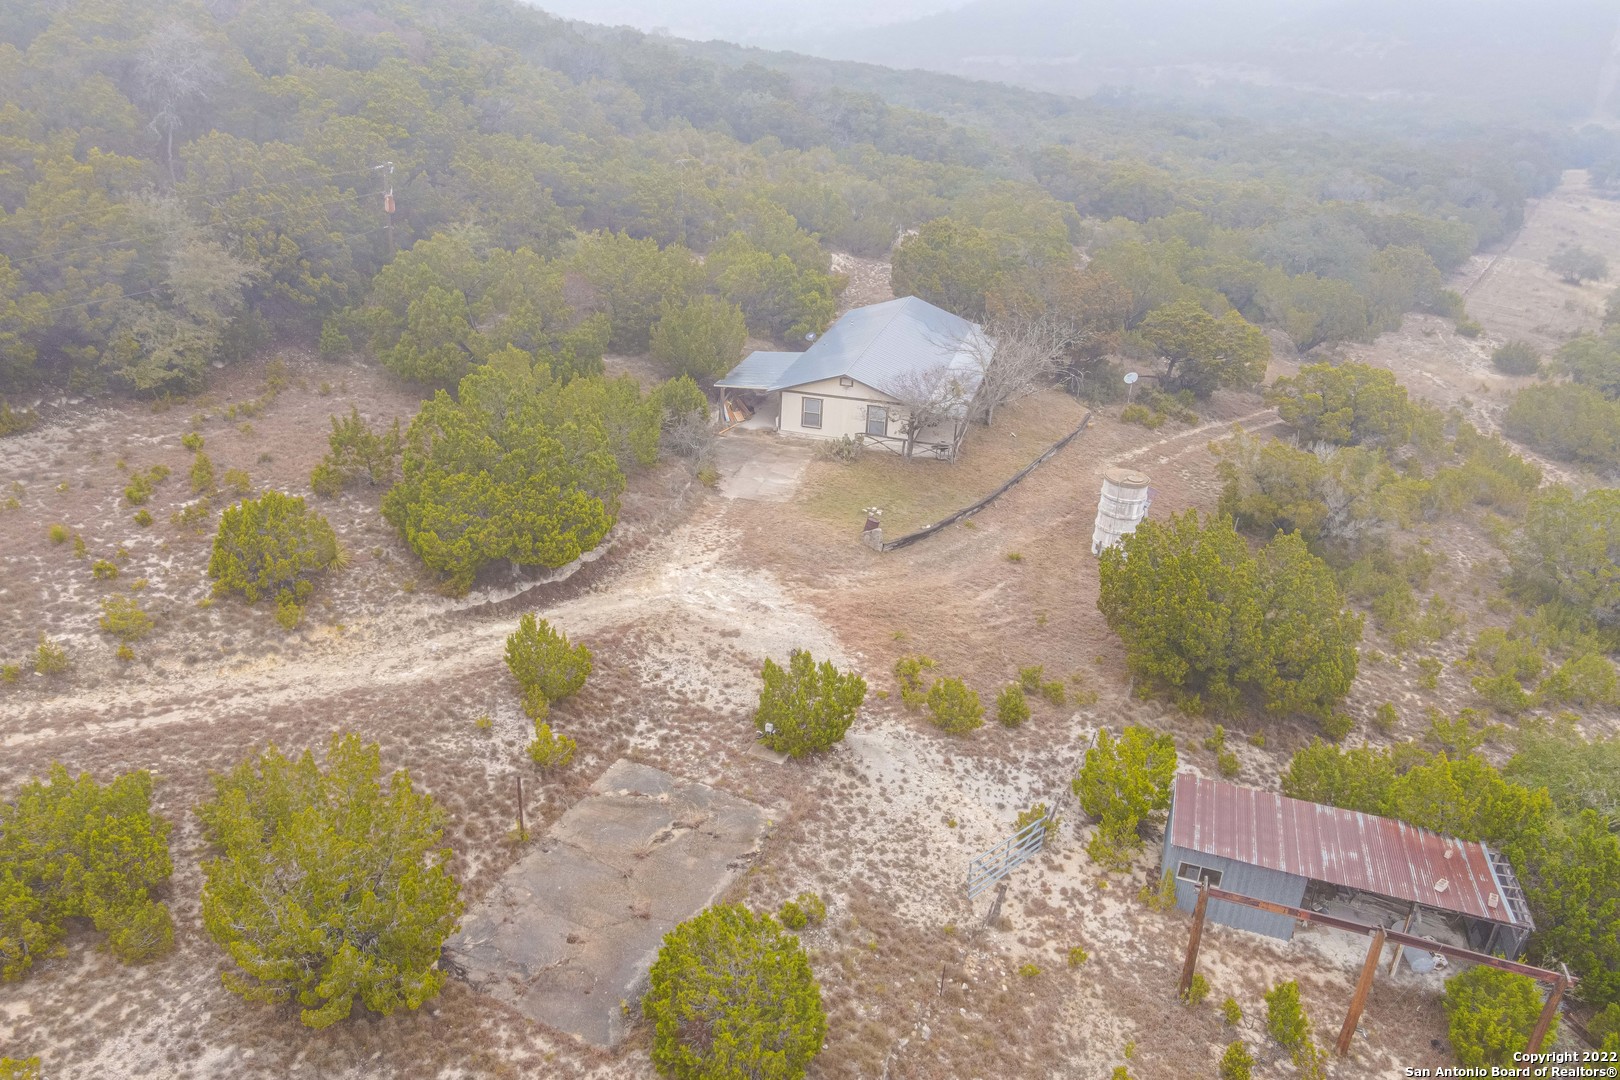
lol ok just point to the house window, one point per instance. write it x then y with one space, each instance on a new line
877 420
810 414
846 382
1198 874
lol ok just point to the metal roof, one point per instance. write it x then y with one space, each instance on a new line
878 345
1342 847
759 370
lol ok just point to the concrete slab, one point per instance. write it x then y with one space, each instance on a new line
763 468
569 932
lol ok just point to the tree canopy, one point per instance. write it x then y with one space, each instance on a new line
1348 404
329 886
732 997
806 706
518 467
1202 615
1202 353
74 848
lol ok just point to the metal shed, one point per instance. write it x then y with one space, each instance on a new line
1271 847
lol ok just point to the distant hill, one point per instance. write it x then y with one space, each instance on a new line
1470 56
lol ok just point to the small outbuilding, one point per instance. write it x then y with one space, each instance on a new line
863 378
1361 866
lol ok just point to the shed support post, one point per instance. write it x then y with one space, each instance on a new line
1548 1011
1369 968
1191 964
1395 961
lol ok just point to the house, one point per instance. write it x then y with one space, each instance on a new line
865 376
1360 866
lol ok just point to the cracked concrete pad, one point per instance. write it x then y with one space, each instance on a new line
763 468
569 932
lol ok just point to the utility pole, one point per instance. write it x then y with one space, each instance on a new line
387 169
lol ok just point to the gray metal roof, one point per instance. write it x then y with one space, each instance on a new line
880 346
759 371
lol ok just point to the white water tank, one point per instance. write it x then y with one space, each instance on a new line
1124 502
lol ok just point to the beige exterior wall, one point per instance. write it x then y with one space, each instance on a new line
843 409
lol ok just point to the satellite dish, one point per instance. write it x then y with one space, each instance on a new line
1130 377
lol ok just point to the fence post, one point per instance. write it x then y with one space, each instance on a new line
523 829
1369 967
1191 963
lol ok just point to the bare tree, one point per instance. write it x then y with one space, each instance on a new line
177 69
1015 354
928 396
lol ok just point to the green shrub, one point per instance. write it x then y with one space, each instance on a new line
1236 1062
271 547
59 534
237 482
16 421
1160 898
10 673
1036 813
806 909
104 570
1031 678
1228 764
356 453
1429 672
908 673
1012 707
792 916
732 995
340 849
1029 971
193 441
123 618
1141 414
1054 692
1123 785
1078 956
1337 725
1491 1013
1231 1012
550 750
1216 740
546 665
71 848
143 517
1516 358
1198 990
1285 1017
202 474
49 657
806 707
954 707
1586 680
1385 718
140 486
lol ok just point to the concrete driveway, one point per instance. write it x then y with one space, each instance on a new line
764 468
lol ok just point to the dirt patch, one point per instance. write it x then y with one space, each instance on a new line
1511 291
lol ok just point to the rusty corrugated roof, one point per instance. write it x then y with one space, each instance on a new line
1342 847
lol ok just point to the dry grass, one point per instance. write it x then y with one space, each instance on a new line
915 493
